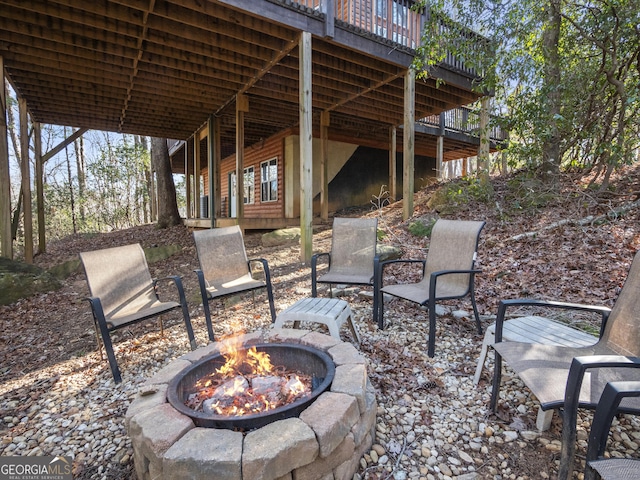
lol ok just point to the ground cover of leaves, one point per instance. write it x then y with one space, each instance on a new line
47 337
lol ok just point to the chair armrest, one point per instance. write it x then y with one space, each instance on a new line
265 268
314 260
177 281
579 366
519 302
607 408
383 265
98 313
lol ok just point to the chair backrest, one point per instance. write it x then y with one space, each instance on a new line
453 246
353 245
622 331
119 277
221 254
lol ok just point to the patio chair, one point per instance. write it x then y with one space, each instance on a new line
596 465
447 273
225 269
123 293
353 259
575 377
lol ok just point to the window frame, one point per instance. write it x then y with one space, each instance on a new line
269 186
249 186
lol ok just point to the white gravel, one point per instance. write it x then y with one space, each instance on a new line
433 423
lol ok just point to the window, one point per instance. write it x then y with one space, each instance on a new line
248 183
269 180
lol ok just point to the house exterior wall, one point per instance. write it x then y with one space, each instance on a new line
356 175
253 157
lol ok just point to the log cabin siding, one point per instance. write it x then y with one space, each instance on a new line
254 156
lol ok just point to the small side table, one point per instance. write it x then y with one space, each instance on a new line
328 311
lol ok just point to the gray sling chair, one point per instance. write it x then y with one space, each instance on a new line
225 269
569 378
447 273
596 465
353 258
123 293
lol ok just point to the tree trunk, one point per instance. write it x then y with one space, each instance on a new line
168 215
550 39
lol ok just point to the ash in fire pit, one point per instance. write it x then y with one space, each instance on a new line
250 387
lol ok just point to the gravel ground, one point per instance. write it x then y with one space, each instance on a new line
433 422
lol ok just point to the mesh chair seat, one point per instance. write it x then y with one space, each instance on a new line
617 469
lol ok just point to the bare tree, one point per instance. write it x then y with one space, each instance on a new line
168 214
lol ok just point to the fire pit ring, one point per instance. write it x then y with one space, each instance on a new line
326 440
306 359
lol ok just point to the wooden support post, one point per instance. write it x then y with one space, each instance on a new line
408 144
153 197
329 8
483 150
440 148
439 157
188 147
324 163
306 150
214 159
393 151
25 169
197 167
6 240
37 147
242 106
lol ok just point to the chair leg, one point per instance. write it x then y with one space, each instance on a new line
380 318
431 347
101 324
188 326
475 311
272 308
207 318
205 304
98 340
497 378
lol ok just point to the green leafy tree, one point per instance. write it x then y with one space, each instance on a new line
565 75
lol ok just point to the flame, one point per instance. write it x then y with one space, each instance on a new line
260 362
248 382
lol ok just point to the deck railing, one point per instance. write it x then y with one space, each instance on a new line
394 20
464 120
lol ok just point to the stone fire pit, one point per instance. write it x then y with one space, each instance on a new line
327 440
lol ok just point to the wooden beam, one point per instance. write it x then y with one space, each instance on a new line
439 157
325 121
306 149
197 165
408 144
189 145
6 240
242 106
393 149
37 150
483 150
25 171
58 148
214 161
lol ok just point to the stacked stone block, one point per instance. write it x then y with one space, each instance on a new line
325 442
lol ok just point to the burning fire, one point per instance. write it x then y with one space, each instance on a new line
247 383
